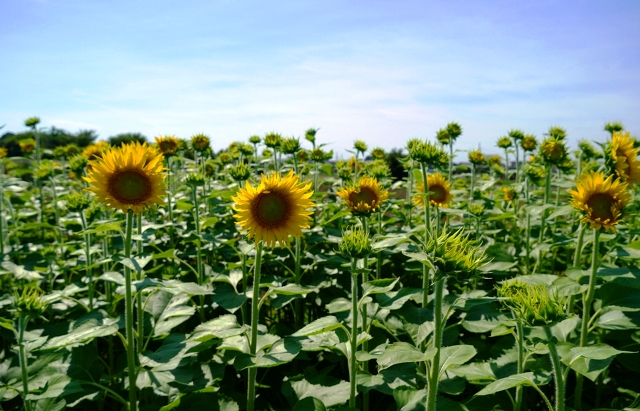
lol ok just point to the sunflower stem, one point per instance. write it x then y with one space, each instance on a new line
1 220
87 250
196 222
427 235
365 344
506 168
587 300
543 217
255 308
432 392
128 303
139 310
23 320
520 342
170 164
473 182
409 194
353 365
450 159
557 370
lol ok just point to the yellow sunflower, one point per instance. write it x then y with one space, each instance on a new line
508 193
128 178
27 145
94 151
168 145
600 200
277 208
625 157
439 191
364 197
200 142
3 152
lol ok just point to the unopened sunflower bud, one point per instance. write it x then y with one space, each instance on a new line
455 255
360 146
200 142
240 172
255 139
272 140
477 209
290 145
77 202
225 158
504 142
195 180
32 122
354 243
30 302
533 305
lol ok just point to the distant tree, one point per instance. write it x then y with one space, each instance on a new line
126 138
394 160
49 139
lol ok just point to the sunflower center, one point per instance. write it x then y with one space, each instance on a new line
129 187
167 146
365 195
438 193
601 204
272 208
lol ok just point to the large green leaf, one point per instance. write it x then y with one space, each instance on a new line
281 352
168 310
309 404
401 352
82 332
589 361
455 355
320 325
527 378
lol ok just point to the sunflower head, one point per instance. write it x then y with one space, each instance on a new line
255 139
195 180
302 156
534 173
27 145
277 208
225 158
587 150
130 177
78 201
360 146
378 169
345 173
477 209
290 145
504 142
210 168
599 200
455 255
454 130
476 157
557 132
443 136
245 149
168 145
267 153
32 122
529 142
364 197
77 163
378 153
353 162
439 191
516 135
46 169
613 127
94 151
494 160
533 305
508 193
622 158
354 244
30 301
3 152
553 151
200 142
429 154
240 172
272 140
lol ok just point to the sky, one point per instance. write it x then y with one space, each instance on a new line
379 71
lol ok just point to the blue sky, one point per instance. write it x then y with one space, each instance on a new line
381 71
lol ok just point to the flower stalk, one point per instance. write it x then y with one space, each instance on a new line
253 346
128 304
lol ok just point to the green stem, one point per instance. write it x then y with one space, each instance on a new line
139 310
543 217
409 194
299 303
365 317
427 235
245 277
473 182
450 160
587 300
517 162
353 365
557 370
128 304
437 343
196 222
87 250
506 168
22 325
1 221
170 164
520 342
253 347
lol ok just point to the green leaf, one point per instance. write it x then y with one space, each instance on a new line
341 214
320 325
168 311
83 332
455 355
618 297
389 242
401 352
57 386
589 361
527 378
410 399
329 395
617 320
380 286
281 352
227 297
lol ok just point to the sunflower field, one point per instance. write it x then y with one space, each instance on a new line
266 276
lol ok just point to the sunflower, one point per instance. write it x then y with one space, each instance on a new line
128 177
200 142
364 197
553 151
625 157
600 200
276 208
508 193
3 152
439 191
95 151
168 145
27 145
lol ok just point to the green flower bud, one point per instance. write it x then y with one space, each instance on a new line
443 136
516 134
267 153
245 149
272 140
255 139
318 155
613 126
209 168
360 146
240 172
30 302
345 173
454 130
455 255
354 243
77 202
535 173
195 180
476 157
45 170
588 151
557 132
310 135
378 153
225 158
427 153
32 122
60 152
553 151
533 305
529 142
477 209
504 142
77 163
290 145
